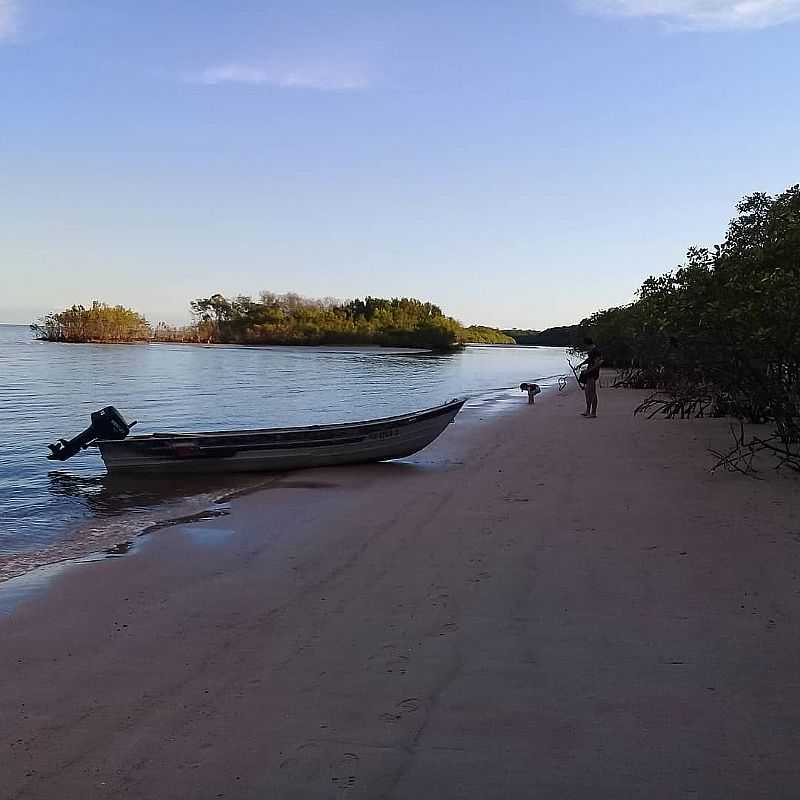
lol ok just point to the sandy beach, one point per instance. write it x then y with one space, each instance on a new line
542 607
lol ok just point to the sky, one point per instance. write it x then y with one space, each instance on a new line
520 163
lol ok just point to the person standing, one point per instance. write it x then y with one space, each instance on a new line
590 377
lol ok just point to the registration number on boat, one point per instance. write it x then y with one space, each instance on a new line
389 434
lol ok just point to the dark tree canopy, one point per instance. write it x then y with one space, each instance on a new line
721 333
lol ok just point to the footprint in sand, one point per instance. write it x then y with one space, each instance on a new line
403 708
386 652
389 659
439 596
305 763
344 773
398 664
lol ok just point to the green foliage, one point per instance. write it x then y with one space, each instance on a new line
561 336
292 319
286 319
100 323
169 333
520 335
722 332
480 334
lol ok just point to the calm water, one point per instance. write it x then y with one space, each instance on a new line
48 390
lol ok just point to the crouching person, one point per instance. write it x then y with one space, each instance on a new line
532 389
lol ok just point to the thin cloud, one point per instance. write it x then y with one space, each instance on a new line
703 14
9 15
321 77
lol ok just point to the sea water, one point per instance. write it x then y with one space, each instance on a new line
48 390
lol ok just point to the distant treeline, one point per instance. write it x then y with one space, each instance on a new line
561 336
285 319
721 333
480 334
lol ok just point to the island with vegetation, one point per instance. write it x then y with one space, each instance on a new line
481 334
97 323
276 319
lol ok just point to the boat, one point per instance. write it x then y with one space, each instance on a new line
264 450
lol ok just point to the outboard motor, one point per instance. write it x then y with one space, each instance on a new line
107 423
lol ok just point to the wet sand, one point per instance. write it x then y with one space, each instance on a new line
543 606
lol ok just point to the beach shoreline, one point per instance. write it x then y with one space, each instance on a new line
542 605
188 497
50 393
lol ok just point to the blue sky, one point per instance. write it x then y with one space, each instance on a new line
519 163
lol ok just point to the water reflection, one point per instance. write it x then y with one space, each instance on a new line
110 495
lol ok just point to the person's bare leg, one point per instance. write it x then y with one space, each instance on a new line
587 393
593 400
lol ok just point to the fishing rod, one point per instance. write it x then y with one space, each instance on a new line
575 373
